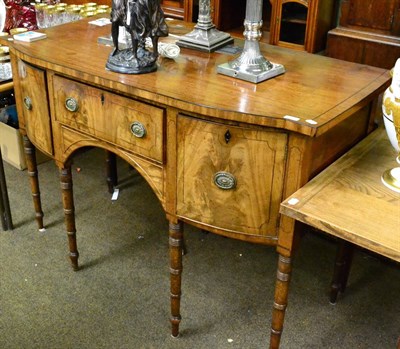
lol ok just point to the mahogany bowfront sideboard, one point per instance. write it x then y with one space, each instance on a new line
219 153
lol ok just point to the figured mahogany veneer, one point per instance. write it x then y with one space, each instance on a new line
259 143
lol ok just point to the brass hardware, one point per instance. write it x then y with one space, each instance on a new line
228 136
138 129
71 104
224 180
27 103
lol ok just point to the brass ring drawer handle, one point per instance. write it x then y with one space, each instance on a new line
224 180
138 129
27 103
71 104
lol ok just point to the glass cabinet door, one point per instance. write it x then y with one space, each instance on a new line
293 23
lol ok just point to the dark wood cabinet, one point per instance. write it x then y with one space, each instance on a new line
225 14
301 24
368 32
178 9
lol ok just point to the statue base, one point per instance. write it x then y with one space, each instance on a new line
124 62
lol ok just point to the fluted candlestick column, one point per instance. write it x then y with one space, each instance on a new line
205 37
251 65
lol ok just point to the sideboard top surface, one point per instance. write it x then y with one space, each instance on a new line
314 87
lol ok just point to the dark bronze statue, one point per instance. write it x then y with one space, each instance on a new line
142 19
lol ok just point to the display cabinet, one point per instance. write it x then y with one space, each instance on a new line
368 33
301 24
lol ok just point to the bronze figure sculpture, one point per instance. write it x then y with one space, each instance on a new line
142 19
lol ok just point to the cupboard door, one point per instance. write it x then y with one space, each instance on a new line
237 168
35 111
293 23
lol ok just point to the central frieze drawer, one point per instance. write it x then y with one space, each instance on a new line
135 126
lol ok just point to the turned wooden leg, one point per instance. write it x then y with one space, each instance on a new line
280 301
30 155
344 257
69 214
175 252
111 171
5 212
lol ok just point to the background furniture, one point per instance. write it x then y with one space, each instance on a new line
301 24
349 201
220 164
368 33
5 212
225 14
178 9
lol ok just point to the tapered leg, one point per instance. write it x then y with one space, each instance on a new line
5 212
69 213
344 258
280 302
111 171
175 248
30 155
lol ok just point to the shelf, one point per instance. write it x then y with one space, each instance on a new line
294 20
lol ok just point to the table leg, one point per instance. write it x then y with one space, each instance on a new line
69 213
344 257
280 301
30 155
2 211
5 212
111 171
175 248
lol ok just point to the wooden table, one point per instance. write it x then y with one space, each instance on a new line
348 200
202 131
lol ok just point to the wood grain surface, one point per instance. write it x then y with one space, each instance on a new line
348 199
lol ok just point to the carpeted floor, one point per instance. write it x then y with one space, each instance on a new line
120 298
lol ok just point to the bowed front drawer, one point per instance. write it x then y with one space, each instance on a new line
135 126
231 178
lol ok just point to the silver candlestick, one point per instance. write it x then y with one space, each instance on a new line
251 65
205 37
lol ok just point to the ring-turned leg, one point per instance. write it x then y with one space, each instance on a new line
280 301
111 171
30 155
69 213
175 252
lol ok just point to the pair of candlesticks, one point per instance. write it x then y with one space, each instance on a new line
251 65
